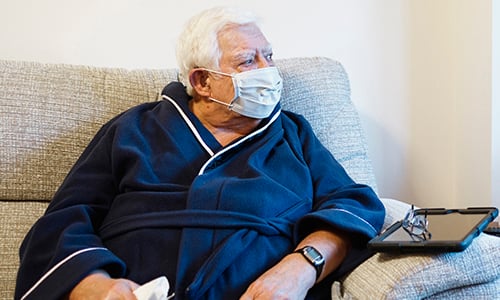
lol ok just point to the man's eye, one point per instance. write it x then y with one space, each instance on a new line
248 62
269 57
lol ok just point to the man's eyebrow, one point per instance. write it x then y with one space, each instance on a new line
244 54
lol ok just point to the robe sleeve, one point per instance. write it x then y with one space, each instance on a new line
62 247
338 202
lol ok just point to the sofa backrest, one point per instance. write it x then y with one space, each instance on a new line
50 112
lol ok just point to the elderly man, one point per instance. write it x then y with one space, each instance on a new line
213 186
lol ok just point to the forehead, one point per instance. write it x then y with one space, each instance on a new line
235 40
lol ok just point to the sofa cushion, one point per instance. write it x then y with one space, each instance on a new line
16 218
50 112
319 89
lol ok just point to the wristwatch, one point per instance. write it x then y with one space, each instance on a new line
313 257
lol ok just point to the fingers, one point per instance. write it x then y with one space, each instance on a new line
121 289
100 286
132 284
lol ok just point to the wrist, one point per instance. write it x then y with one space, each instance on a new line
304 269
312 256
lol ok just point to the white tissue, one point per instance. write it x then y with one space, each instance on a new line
156 289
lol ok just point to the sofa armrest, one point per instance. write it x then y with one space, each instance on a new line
417 276
395 210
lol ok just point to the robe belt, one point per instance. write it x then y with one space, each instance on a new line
247 228
198 219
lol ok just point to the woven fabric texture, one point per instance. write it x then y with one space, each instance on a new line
49 114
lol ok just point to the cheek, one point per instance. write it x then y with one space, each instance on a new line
223 90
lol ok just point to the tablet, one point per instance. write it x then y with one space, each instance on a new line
447 230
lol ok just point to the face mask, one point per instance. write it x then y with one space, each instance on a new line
256 92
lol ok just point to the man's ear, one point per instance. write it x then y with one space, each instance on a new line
200 81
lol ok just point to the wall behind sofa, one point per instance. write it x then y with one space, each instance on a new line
420 72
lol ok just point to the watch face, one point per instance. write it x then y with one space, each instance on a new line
313 255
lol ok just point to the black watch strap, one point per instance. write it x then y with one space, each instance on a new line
314 257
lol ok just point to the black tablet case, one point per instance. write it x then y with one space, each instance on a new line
452 230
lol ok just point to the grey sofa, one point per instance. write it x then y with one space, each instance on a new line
49 112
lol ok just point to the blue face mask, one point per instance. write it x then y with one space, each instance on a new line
256 92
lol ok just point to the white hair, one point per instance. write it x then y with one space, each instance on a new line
198 44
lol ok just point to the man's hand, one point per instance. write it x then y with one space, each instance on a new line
291 278
99 285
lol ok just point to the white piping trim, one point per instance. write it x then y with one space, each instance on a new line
358 217
190 125
274 117
53 269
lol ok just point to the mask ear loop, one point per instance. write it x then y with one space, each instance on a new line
216 72
228 105
236 88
